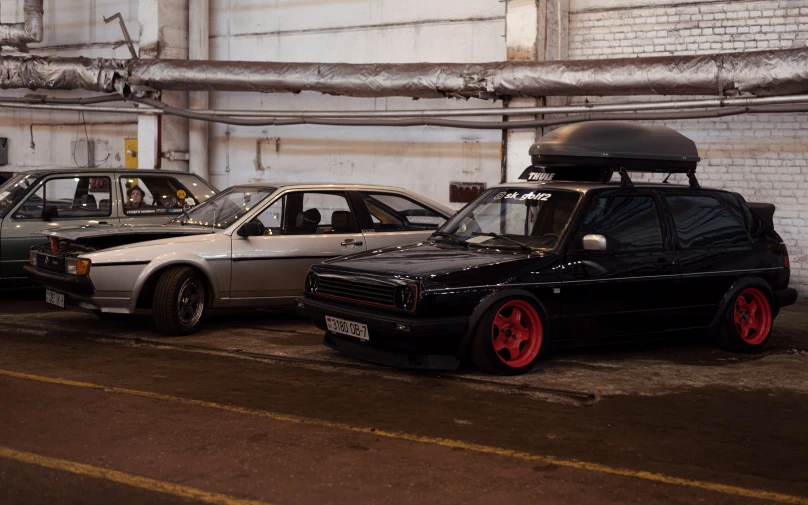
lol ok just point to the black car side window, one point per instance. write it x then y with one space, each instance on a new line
701 221
628 222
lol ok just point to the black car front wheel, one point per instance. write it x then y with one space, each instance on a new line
509 338
179 301
747 322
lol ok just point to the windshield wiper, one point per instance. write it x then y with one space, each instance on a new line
524 247
453 237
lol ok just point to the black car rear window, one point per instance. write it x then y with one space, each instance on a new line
702 222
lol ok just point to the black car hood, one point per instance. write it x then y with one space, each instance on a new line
431 260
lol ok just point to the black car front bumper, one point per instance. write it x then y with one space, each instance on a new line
65 283
399 341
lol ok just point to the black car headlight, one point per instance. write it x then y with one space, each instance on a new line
407 297
312 279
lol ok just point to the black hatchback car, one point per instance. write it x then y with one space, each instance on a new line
565 258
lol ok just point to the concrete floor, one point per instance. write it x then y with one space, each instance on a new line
254 409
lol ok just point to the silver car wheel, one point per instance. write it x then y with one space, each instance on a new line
191 302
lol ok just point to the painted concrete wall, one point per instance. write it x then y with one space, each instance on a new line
43 138
355 31
764 157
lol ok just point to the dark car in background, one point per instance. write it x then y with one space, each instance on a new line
71 197
567 259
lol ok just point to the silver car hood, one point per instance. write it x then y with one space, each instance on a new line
108 231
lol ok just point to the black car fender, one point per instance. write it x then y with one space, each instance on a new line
734 289
483 307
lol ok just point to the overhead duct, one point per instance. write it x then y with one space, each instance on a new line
19 35
762 73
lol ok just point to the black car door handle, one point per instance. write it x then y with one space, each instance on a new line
350 241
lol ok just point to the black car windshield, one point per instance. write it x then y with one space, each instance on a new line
226 208
13 189
507 217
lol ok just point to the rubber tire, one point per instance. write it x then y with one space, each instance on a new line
164 300
482 348
728 337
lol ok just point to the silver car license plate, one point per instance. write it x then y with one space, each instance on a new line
350 328
55 298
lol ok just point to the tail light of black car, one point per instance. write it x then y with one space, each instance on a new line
407 297
786 261
312 281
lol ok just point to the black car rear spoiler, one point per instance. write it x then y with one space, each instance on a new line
765 211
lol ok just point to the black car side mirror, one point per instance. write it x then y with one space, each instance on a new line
251 229
49 213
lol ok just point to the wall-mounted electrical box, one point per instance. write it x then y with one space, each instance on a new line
3 151
130 153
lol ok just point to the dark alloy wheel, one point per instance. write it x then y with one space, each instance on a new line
748 322
179 301
509 338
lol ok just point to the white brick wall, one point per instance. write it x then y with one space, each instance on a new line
763 156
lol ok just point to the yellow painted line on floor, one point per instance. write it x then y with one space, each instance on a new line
127 479
443 442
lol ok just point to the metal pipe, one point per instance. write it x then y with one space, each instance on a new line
31 30
70 104
761 73
198 49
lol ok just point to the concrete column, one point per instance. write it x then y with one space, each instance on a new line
199 49
535 30
164 34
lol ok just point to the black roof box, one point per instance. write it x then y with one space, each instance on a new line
593 150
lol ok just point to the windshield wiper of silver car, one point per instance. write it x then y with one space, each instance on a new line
524 247
453 237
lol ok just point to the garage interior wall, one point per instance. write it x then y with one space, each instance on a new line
764 157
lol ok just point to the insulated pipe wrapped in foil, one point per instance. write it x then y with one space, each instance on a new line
31 30
762 73
34 72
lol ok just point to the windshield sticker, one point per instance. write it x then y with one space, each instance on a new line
426 219
516 195
181 194
478 239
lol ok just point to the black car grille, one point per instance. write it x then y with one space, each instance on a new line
50 262
367 292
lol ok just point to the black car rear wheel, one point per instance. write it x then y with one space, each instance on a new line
179 301
510 337
747 322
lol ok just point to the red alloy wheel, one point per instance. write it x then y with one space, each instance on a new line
752 316
516 333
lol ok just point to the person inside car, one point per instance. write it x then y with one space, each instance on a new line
134 198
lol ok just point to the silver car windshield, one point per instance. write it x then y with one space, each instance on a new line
226 208
13 189
514 217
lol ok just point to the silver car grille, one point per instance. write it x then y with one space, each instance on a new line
50 262
361 291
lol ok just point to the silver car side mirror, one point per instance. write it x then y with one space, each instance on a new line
594 243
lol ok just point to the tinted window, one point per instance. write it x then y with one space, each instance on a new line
151 194
69 197
396 213
310 213
627 222
701 221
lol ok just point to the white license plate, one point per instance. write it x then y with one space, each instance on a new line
350 328
55 298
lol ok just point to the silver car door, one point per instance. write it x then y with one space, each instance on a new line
301 228
398 219
58 201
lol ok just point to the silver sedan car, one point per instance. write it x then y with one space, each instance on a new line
247 246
